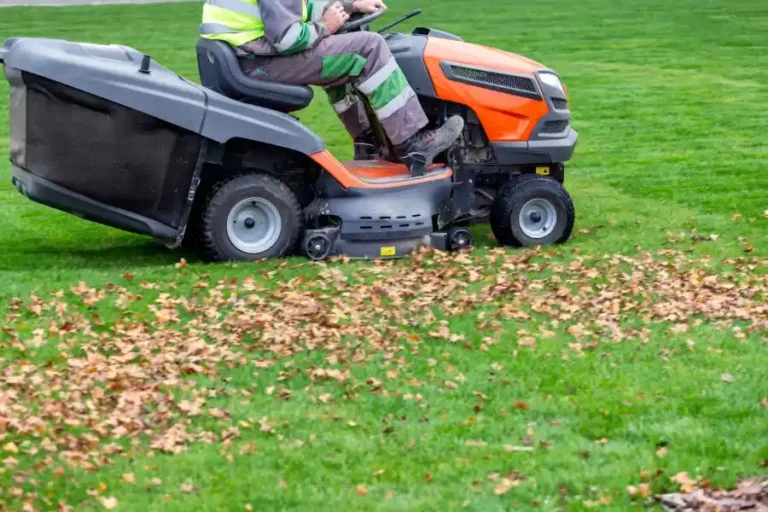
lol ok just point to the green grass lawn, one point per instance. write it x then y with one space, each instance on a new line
499 380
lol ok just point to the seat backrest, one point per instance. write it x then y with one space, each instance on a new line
220 71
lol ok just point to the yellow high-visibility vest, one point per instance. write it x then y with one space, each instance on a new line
235 21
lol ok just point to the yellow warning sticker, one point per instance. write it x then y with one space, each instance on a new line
542 171
388 251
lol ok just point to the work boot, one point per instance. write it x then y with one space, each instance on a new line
365 146
420 150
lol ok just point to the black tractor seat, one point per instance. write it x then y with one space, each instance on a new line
220 71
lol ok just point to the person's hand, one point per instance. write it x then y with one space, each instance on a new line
367 6
335 17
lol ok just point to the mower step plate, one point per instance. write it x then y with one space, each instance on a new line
384 172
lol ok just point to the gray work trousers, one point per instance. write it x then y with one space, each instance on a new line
347 65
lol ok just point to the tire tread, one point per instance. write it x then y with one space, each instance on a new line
218 195
502 206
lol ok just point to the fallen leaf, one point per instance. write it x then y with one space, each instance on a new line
11 448
662 452
109 503
128 477
504 486
182 263
520 405
510 448
527 342
361 490
643 490
727 377
685 481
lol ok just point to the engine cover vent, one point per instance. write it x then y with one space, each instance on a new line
491 79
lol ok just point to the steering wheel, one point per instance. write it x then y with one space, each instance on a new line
359 20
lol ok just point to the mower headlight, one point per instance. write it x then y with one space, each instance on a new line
552 81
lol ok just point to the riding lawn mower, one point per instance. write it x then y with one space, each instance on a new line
106 133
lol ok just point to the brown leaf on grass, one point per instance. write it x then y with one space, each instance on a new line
109 503
511 448
527 342
128 477
684 480
662 452
764 402
181 264
519 404
188 488
361 490
504 486
727 377
748 495
642 490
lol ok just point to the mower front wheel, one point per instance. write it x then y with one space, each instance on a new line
532 210
250 217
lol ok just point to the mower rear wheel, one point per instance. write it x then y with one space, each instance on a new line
532 210
249 217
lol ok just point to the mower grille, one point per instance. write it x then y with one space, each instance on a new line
555 126
560 104
498 79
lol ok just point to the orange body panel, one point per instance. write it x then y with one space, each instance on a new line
505 117
354 174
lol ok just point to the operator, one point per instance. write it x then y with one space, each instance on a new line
296 42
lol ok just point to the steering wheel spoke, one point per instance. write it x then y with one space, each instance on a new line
358 20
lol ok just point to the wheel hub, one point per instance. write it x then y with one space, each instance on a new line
254 225
538 218
318 247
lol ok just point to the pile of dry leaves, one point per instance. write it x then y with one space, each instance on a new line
750 495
